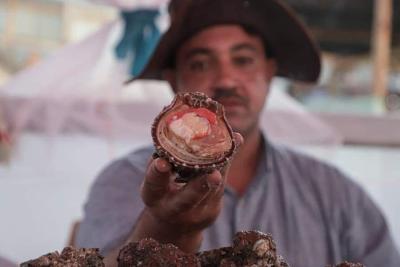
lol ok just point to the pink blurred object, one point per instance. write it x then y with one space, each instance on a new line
5 137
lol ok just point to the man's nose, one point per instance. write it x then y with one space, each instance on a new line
225 76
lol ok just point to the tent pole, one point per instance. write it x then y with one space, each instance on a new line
381 43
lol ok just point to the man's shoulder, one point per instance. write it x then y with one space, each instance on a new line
296 158
323 186
309 169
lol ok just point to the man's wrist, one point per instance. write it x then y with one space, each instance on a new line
188 240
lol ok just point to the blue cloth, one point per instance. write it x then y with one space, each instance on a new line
316 215
139 39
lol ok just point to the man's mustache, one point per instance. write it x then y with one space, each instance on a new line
222 95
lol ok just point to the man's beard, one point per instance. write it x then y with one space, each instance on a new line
224 95
247 129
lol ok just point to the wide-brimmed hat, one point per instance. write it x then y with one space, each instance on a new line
296 53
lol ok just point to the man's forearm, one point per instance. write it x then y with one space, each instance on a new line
149 226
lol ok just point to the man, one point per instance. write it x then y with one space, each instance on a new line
231 50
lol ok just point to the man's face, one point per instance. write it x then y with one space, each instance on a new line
230 66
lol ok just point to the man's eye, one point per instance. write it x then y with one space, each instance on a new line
198 65
243 61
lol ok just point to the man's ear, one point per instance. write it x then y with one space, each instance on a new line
170 76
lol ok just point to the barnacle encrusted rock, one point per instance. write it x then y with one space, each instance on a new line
347 264
250 249
193 134
149 253
69 257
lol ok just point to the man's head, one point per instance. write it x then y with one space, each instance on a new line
231 49
229 64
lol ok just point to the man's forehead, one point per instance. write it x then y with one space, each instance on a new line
221 38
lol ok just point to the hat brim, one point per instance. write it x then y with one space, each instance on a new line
296 53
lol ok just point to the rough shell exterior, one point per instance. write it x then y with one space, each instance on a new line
192 165
250 249
149 253
347 264
69 257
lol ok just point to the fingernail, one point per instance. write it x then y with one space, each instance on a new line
162 165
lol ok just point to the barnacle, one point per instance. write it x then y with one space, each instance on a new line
193 134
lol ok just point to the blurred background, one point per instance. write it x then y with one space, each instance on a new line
65 111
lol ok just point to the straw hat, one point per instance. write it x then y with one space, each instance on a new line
296 53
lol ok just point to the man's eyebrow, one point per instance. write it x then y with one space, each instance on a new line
243 46
197 51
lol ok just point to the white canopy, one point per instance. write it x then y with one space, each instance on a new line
133 4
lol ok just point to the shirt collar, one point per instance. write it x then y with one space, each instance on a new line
263 167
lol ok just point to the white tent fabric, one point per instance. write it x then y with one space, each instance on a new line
133 4
80 89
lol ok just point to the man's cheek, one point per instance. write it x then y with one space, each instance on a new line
192 84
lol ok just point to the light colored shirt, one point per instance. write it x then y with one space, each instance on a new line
316 215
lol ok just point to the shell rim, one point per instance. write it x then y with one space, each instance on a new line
202 100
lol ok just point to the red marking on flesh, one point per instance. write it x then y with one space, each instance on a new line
201 112
199 135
